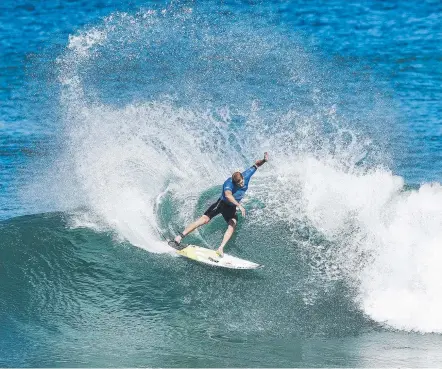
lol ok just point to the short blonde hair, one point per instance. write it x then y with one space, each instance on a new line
237 177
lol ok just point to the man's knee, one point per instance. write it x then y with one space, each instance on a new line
232 222
205 219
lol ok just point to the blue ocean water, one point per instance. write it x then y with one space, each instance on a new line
118 118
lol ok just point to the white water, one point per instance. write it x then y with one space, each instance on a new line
387 240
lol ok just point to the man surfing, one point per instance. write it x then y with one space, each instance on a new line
234 189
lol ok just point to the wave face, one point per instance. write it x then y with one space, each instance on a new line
80 296
158 108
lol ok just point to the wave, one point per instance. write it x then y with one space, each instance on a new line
161 105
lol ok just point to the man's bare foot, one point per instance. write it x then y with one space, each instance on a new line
220 252
178 239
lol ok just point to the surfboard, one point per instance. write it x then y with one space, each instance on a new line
210 257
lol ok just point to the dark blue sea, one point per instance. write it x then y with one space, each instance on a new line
122 118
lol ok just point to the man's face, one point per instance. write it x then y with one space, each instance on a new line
240 183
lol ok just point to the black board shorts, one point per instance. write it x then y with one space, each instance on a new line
220 207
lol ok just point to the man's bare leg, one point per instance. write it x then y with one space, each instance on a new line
191 227
227 235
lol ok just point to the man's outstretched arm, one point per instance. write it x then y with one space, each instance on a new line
247 174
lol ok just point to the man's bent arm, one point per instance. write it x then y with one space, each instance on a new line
229 196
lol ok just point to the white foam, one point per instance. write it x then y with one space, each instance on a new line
402 285
387 240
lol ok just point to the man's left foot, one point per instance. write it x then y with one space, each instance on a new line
220 253
178 239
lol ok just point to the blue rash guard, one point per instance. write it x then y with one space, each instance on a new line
237 192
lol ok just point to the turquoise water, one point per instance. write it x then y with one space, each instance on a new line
118 119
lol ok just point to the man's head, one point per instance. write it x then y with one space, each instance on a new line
238 179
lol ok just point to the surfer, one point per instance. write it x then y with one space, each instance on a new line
232 193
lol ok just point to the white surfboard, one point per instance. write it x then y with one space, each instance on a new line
210 257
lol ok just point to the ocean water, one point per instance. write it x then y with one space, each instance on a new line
121 118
